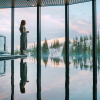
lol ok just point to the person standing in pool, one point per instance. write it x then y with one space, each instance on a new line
23 37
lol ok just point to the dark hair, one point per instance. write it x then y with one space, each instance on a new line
22 90
22 24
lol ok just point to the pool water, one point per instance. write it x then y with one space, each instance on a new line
18 79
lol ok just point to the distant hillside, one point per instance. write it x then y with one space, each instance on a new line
61 40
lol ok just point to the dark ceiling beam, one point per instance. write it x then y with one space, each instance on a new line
12 4
67 2
33 3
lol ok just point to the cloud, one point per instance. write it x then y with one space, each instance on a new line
80 26
5 12
52 21
80 22
5 30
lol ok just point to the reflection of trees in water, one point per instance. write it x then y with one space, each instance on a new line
34 59
55 60
84 62
98 64
64 59
45 60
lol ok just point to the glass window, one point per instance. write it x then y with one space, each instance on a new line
25 77
28 41
5 30
98 48
80 49
52 62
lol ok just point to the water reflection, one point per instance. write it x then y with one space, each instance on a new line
55 60
2 68
23 76
45 60
98 60
79 66
84 62
12 79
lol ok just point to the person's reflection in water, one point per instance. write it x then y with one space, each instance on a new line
23 75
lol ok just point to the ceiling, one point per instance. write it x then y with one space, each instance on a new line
30 3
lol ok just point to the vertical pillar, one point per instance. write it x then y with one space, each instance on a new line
12 28
38 50
12 79
4 66
94 27
66 50
4 43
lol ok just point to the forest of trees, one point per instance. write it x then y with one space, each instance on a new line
33 50
78 46
45 48
82 46
56 44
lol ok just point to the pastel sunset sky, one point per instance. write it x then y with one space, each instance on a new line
52 22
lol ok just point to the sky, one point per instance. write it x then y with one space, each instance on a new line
52 22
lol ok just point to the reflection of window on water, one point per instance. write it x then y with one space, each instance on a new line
2 68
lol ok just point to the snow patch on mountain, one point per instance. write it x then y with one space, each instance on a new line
55 52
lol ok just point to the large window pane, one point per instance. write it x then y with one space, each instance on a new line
30 16
98 49
52 63
80 48
25 74
5 30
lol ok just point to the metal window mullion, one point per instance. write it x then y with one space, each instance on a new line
38 52
4 43
12 79
12 31
94 28
67 51
4 66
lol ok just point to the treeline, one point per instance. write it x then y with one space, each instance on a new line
56 44
82 46
44 48
79 46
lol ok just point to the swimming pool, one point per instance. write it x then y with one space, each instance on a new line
19 79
